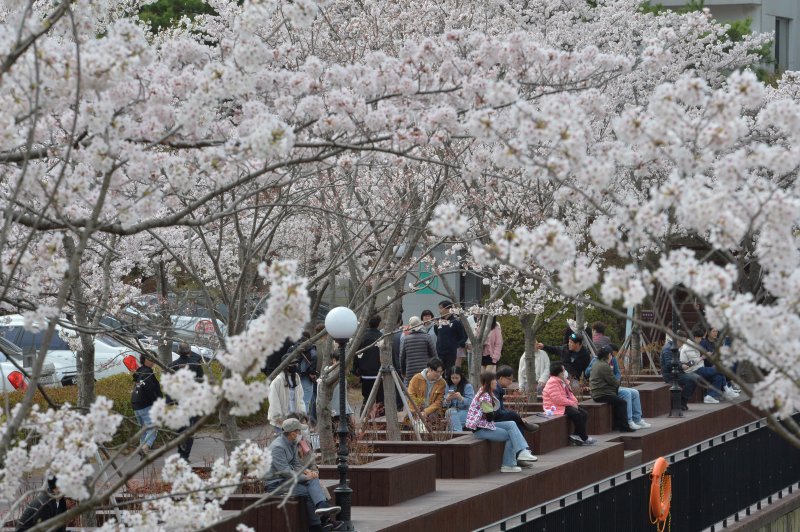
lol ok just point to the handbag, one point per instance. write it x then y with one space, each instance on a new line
488 410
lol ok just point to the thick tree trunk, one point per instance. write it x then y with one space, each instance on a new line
163 321
528 322
633 365
324 424
580 316
389 389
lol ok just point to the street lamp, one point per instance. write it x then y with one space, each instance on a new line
341 323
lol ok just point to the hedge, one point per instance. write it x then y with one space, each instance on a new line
118 389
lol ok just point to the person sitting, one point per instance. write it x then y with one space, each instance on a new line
558 398
630 395
416 349
693 362
457 398
45 506
286 464
504 380
427 389
687 381
480 419
605 389
541 371
599 337
574 355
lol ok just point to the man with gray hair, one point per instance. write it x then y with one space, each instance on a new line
416 350
286 465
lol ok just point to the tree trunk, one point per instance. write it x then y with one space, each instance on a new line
324 425
230 429
633 365
163 321
389 389
580 317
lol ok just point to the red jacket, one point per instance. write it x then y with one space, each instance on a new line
558 394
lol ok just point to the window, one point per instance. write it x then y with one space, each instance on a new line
27 339
781 44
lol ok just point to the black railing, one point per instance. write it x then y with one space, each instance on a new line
710 482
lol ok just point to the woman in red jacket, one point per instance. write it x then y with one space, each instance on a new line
559 399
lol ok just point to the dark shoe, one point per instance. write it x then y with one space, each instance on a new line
334 525
530 427
328 511
625 429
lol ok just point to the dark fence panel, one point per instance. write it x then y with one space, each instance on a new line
706 488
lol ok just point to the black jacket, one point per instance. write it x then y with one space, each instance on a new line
40 509
576 362
368 363
450 337
192 361
145 388
274 359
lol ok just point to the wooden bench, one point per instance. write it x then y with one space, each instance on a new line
266 516
388 480
462 457
655 398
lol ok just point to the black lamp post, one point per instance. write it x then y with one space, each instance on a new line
341 323
675 391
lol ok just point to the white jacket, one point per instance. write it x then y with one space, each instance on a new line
279 406
692 357
541 369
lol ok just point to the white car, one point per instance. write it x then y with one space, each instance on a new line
108 353
13 378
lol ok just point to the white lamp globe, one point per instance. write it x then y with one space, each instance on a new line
341 323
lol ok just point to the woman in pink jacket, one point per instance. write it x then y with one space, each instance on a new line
559 399
492 347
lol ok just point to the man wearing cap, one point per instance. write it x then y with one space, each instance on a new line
574 356
416 350
286 464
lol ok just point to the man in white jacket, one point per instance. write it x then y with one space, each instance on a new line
285 397
541 371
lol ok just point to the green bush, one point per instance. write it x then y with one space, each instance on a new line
118 389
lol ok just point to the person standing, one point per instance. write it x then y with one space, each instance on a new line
307 369
416 350
428 323
146 390
450 334
367 363
574 355
492 347
285 395
192 361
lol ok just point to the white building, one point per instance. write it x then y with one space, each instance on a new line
779 16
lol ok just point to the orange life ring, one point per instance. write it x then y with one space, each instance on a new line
660 494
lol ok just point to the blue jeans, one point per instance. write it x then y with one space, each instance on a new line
714 378
311 492
457 419
308 390
148 437
631 396
508 432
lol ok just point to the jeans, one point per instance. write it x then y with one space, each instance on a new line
148 437
508 432
308 390
631 396
311 492
457 419
714 378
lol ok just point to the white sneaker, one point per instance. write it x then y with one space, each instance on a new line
526 456
633 425
643 424
510 469
590 441
710 400
730 393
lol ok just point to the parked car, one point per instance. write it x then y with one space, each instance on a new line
13 378
108 353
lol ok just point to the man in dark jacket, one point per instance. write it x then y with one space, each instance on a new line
274 359
416 349
146 390
504 380
367 365
605 389
687 381
450 335
46 505
187 359
575 357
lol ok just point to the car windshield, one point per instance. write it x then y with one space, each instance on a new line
17 334
109 341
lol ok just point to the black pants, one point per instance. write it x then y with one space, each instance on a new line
578 416
620 407
509 415
448 361
185 448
